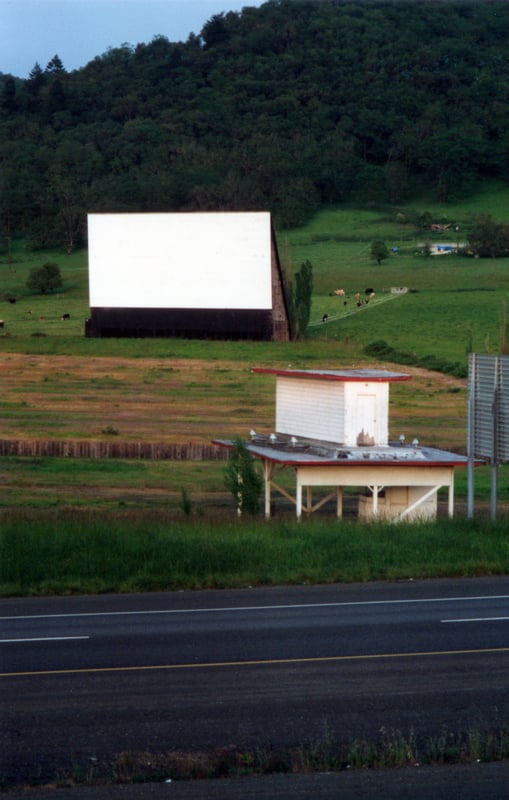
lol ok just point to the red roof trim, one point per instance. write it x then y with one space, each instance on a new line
345 376
354 464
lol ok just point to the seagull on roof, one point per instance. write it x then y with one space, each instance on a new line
272 437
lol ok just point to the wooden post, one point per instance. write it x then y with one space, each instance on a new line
339 507
267 475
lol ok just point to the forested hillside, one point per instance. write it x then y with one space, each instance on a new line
287 106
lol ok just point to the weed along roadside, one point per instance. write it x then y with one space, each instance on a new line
62 552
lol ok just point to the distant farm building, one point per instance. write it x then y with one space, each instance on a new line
444 249
191 275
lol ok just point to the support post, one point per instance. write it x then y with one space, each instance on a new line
470 434
495 411
450 509
267 475
298 498
494 490
375 501
339 502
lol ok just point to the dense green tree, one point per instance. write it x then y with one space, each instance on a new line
301 299
55 65
379 251
489 237
285 107
8 100
45 279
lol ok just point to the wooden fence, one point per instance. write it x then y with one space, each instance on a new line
192 451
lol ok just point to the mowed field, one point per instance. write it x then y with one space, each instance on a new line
58 385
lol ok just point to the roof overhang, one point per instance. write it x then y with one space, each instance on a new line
308 453
344 376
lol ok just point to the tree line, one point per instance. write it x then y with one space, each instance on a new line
285 107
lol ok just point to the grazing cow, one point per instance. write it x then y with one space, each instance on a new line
1 323
369 291
66 316
41 319
339 292
12 300
325 318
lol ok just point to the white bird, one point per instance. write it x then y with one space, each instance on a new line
272 437
252 433
293 441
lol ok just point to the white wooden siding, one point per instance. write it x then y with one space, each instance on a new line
311 409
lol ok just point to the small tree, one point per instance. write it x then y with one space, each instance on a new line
379 251
242 479
302 298
489 237
44 279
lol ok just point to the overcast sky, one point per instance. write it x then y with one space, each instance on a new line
78 30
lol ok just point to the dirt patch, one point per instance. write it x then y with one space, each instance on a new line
165 400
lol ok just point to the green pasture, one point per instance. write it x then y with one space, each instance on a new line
454 304
111 484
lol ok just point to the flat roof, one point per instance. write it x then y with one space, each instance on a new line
344 375
282 450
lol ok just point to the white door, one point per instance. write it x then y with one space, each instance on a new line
365 419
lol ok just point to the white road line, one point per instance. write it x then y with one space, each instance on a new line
230 609
45 639
476 619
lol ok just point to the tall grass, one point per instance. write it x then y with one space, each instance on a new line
56 553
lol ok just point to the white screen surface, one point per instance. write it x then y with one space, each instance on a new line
196 260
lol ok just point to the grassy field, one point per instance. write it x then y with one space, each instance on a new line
457 304
65 553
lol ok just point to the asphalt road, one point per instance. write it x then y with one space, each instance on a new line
85 677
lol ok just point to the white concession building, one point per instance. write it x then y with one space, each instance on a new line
193 275
332 430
